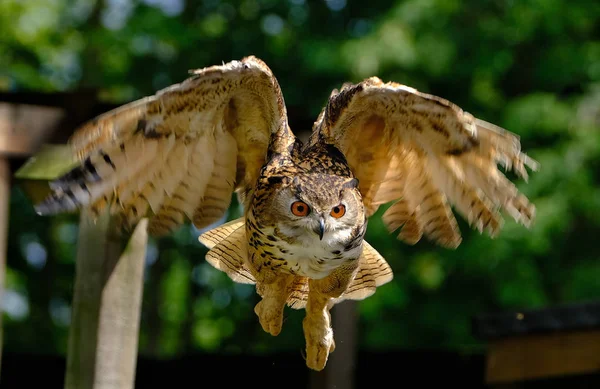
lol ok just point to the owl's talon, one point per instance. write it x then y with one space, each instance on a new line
318 353
270 315
319 342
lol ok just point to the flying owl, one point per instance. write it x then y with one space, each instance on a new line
181 154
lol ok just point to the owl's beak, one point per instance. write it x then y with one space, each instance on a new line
321 229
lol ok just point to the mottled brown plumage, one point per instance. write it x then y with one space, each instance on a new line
179 155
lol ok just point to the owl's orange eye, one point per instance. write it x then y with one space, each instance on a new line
338 211
300 208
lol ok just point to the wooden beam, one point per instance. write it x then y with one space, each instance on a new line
527 357
4 207
24 127
103 339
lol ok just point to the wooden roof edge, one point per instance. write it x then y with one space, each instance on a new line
563 317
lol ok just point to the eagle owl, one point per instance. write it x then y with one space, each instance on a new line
181 154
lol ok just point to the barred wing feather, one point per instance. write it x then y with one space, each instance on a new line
425 155
179 154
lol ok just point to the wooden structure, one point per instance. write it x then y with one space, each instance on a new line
561 341
22 128
103 337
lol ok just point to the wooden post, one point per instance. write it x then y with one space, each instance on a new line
339 371
103 339
4 197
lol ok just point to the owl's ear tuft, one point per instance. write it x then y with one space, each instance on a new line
351 184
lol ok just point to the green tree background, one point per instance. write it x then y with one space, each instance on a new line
530 66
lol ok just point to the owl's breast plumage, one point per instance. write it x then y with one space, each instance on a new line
308 256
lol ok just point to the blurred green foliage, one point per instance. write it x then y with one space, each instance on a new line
531 66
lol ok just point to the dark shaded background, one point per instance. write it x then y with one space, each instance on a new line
531 66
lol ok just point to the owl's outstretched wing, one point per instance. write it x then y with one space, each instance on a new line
179 154
425 154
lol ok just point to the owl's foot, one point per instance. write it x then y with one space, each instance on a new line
270 315
319 340
270 308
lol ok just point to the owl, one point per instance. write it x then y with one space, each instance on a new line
182 154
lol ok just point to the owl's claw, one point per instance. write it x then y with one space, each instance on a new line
319 342
317 354
270 315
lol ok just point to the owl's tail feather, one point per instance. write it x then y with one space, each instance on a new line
373 271
227 244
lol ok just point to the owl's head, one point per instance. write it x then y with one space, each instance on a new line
324 206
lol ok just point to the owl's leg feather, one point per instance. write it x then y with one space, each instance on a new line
317 331
317 323
274 298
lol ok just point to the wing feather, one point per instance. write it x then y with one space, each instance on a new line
179 154
426 210
98 174
111 127
425 155
193 186
128 189
217 197
161 200
470 201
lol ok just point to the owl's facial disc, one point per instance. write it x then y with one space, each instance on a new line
324 215
318 207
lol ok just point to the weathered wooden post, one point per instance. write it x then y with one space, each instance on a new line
103 337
